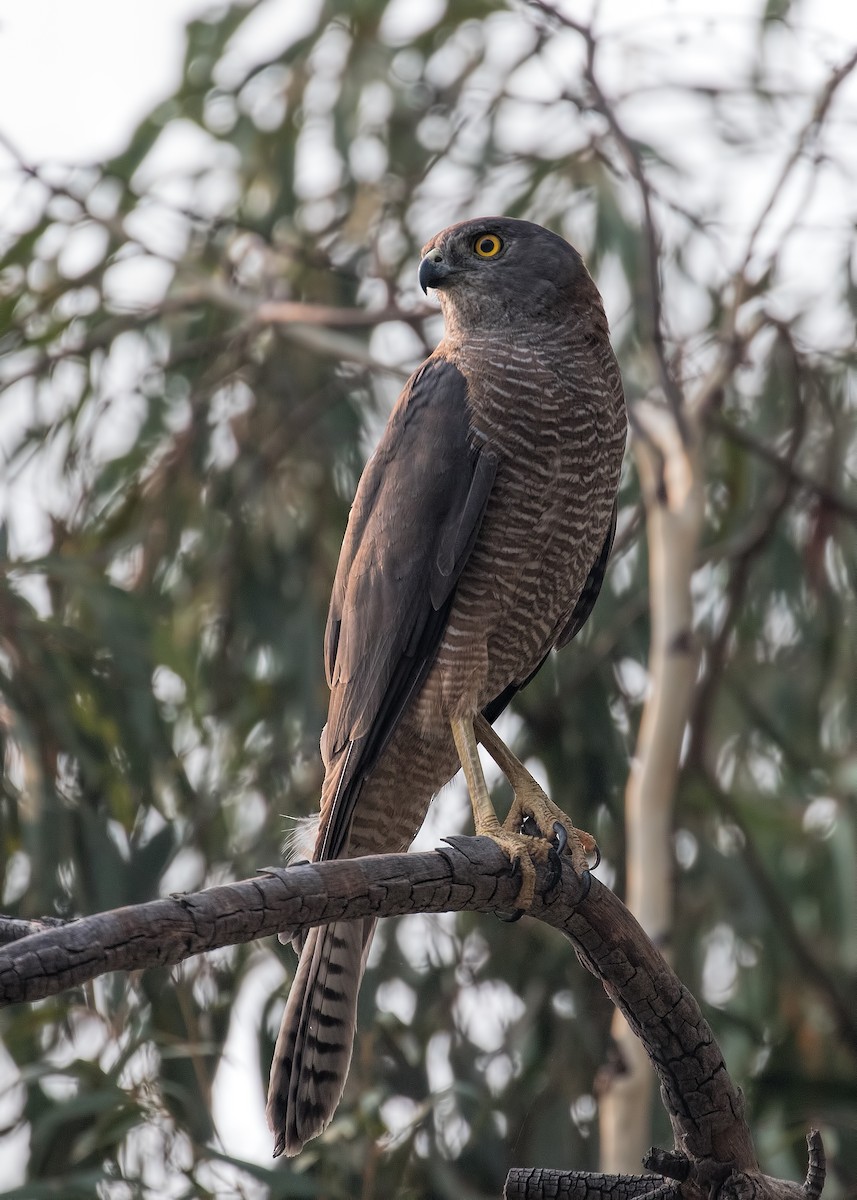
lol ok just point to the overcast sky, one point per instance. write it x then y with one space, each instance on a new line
74 77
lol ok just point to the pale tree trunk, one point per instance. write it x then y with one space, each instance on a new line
667 461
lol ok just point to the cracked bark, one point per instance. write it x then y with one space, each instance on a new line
713 1152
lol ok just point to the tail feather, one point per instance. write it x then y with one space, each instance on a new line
313 1050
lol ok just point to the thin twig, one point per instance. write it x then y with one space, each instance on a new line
634 164
741 437
304 323
813 124
812 968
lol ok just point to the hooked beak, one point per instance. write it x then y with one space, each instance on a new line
433 270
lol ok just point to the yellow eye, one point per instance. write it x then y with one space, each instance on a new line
487 245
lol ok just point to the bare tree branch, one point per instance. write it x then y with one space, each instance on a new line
713 1144
304 323
812 967
12 929
165 932
633 161
291 312
813 124
536 1183
742 437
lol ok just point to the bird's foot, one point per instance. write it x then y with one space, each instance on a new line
523 840
535 831
524 852
535 815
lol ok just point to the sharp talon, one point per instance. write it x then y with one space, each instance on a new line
597 862
586 884
510 918
561 836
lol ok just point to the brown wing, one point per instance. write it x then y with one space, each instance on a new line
579 616
416 515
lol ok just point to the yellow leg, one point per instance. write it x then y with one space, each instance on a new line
531 800
519 847
485 818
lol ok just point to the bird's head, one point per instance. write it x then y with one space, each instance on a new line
500 272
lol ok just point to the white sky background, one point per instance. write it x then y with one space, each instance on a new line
76 77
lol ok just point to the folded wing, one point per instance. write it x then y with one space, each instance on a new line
413 524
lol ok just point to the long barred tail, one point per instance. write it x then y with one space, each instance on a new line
313 1050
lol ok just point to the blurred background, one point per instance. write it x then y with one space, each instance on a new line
177 466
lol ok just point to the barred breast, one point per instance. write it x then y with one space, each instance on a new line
553 411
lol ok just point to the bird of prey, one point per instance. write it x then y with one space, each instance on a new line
476 544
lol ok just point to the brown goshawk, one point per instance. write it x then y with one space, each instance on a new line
476 544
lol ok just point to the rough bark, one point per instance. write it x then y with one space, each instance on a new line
539 1184
713 1145
165 932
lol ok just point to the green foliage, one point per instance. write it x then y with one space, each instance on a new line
180 473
